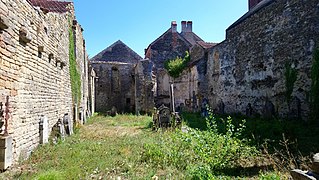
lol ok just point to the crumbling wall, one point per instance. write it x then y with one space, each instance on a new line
145 82
114 86
82 60
34 70
247 70
91 89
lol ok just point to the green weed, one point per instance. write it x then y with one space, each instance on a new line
201 154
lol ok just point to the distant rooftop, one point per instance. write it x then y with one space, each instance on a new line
58 6
117 52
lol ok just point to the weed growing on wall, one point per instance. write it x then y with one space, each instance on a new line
75 76
176 66
314 92
290 77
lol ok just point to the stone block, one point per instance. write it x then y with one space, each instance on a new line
3 23
44 130
301 175
68 124
24 35
5 152
315 164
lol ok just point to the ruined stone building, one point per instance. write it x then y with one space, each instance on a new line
124 80
190 86
133 84
246 72
35 73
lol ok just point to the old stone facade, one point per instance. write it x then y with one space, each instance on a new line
247 70
122 80
190 87
34 68
145 82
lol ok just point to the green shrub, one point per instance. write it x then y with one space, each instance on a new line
200 153
176 66
271 176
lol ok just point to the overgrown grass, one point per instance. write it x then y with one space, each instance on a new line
124 146
202 154
287 143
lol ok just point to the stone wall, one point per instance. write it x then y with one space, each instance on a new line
34 69
91 90
114 86
144 87
82 61
246 72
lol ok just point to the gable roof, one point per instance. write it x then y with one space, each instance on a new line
165 33
58 6
206 45
191 37
117 52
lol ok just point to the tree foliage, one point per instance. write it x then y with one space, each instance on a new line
176 66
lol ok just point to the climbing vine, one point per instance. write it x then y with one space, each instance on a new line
314 92
75 76
291 77
176 66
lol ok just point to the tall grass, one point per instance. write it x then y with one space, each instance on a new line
125 147
201 154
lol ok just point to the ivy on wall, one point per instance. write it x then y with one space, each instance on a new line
176 66
75 76
290 77
314 91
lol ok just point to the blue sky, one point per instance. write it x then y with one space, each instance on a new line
139 22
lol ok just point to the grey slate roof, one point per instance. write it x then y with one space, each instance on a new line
117 52
191 37
169 31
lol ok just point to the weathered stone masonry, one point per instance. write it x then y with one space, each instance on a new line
248 67
124 81
34 67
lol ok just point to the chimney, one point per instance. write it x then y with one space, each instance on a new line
253 3
174 26
183 26
189 27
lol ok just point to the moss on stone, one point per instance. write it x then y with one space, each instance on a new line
75 75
